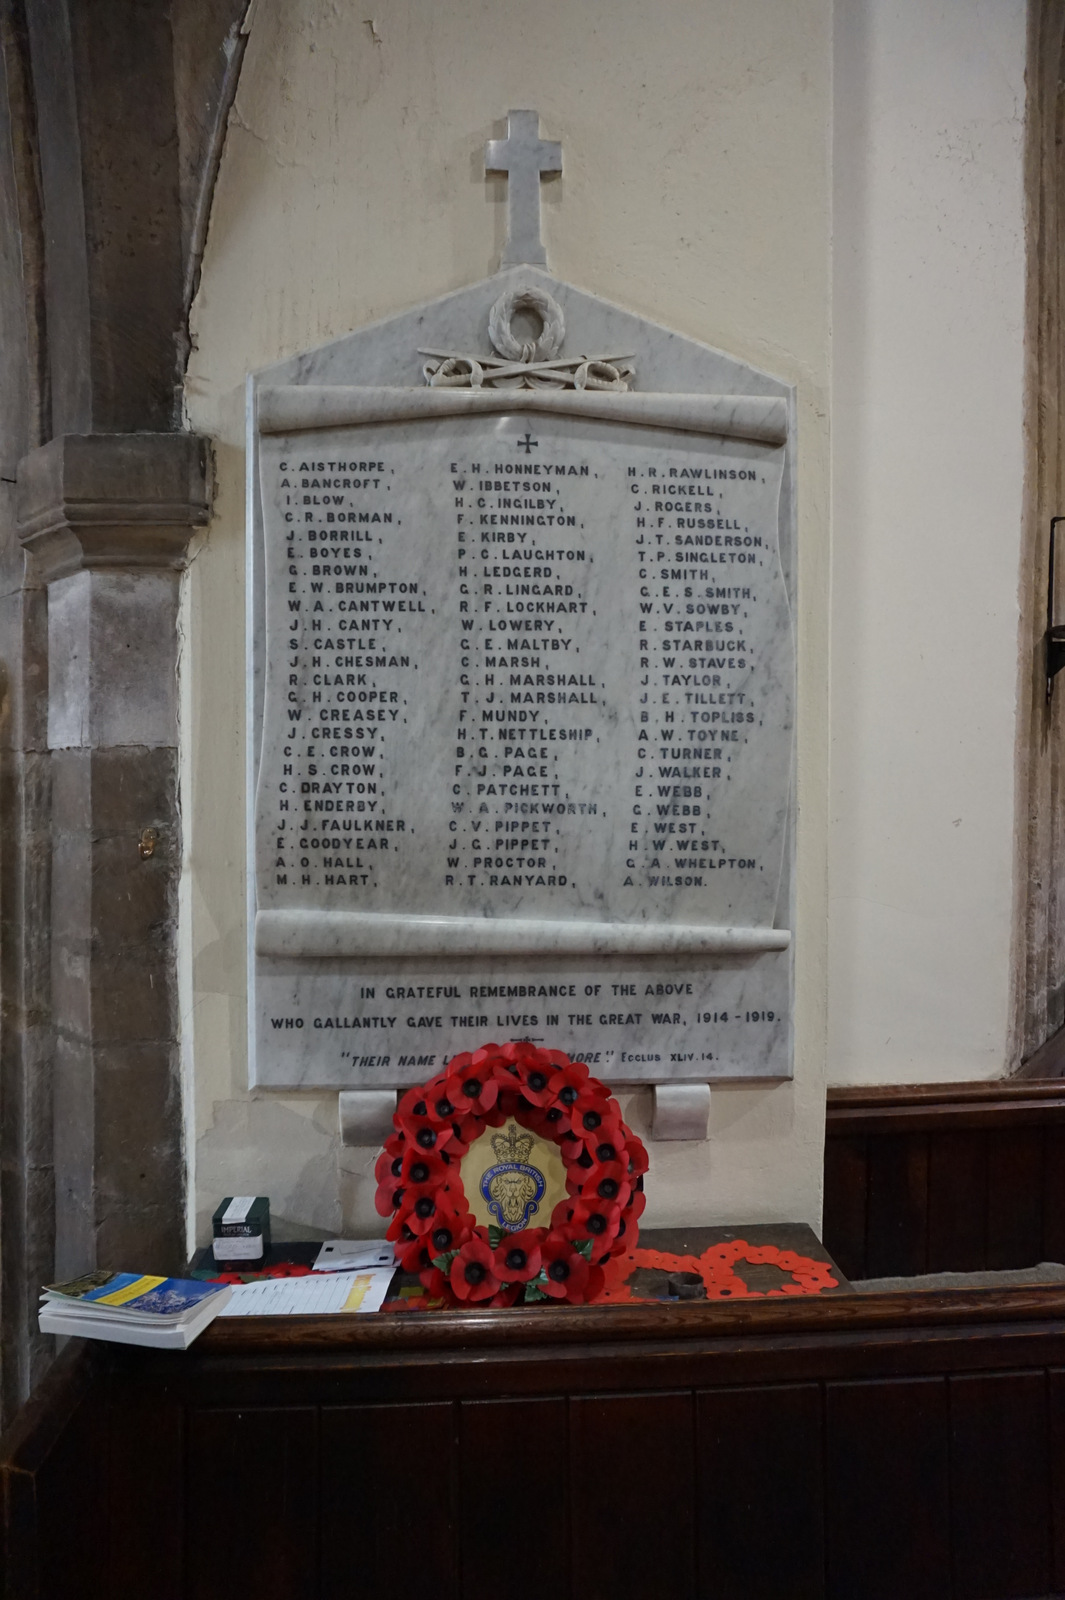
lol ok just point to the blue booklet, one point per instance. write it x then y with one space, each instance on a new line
133 1293
132 1308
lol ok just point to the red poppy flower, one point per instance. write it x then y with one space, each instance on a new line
465 1130
421 1201
607 1180
595 1285
517 1255
414 1255
597 1121
598 1220
579 1168
472 1272
488 1058
450 1231
637 1155
535 1078
470 1090
532 1117
435 1282
634 1209
505 1295
426 1133
504 1064
422 1166
389 1197
508 1105
565 1269
627 1235
436 1109
567 1082
389 1163
414 1103
570 1148
287 1269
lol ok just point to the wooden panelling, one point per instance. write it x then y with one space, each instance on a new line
859 1447
944 1178
511 1450
1014 1197
957 1229
388 1498
54 1488
896 1232
252 1522
760 1493
846 1199
887 1490
1056 1382
1000 1487
632 1498
1054 1194
145 1446
70 1507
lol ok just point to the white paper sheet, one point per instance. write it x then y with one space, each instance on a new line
312 1296
345 1255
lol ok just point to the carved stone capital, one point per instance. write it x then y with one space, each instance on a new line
106 501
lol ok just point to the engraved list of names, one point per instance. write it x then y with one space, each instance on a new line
520 669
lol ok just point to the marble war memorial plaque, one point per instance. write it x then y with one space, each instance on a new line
521 690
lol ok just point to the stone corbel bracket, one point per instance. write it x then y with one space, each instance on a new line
681 1111
112 500
366 1115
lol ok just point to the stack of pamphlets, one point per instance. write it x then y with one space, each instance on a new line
131 1308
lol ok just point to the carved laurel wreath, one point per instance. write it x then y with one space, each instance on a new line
526 363
420 1187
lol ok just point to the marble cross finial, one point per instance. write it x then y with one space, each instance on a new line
524 157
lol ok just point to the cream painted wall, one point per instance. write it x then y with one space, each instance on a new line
927 438
696 136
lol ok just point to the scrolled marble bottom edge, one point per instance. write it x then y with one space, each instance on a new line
346 935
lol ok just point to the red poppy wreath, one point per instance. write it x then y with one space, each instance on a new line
420 1187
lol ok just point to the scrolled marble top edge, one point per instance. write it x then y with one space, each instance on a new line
318 935
295 408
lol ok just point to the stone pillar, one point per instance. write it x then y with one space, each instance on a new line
106 520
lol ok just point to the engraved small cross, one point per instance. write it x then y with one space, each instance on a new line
528 444
524 157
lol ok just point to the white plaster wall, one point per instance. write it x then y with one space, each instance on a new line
697 189
928 463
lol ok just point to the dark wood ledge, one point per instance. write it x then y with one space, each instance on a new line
480 1331
944 1093
910 1107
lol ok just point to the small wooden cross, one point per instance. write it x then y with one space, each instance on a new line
524 157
